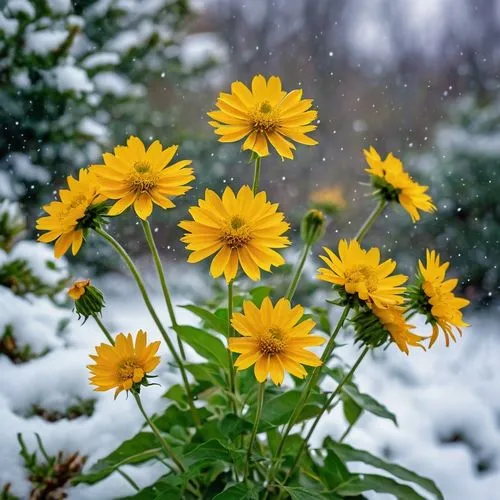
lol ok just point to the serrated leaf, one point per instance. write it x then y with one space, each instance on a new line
206 372
212 320
240 491
206 345
206 453
233 426
358 484
141 448
160 490
304 494
348 453
174 415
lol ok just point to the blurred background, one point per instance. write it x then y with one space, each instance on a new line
416 78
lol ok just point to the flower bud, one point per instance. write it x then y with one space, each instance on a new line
89 300
313 225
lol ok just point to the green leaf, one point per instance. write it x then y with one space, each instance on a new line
174 415
358 484
206 453
239 491
177 393
209 318
141 448
159 490
206 345
206 372
352 410
304 494
233 426
334 471
259 293
349 454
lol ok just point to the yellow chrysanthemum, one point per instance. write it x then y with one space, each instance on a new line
64 222
445 307
359 272
394 322
274 340
140 177
264 113
394 184
78 289
242 229
329 199
124 364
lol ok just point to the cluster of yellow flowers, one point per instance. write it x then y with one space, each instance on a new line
244 229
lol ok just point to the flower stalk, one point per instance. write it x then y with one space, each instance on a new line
298 271
256 175
232 385
370 220
258 414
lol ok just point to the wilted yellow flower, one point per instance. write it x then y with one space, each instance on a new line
274 340
69 217
124 364
242 230
359 273
393 320
78 289
264 113
330 199
134 175
394 184
434 297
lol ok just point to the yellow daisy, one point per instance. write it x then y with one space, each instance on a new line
443 308
241 229
330 199
264 113
70 216
124 364
140 177
394 322
274 340
394 184
359 273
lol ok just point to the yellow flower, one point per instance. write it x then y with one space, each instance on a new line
264 113
78 289
394 184
134 175
66 220
393 320
444 308
329 199
124 364
242 229
274 340
359 272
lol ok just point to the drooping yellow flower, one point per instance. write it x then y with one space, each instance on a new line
124 364
78 289
358 272
242 230
443 307
330 199
394 184
67 218
274 340
140 177
264 113
393 320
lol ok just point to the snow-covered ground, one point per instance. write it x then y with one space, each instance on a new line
446 401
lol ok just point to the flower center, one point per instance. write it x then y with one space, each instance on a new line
264 118
272 342
128 369
236 234
362 274
142 180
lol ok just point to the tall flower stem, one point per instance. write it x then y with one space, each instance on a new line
103 328
232 384
142 288
325 407
370 220
256 175
298 271
166 447
163 281
258 413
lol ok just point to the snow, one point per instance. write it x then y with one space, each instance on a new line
70 79
21 79
8 26
90 127
26 170
108 82
43 42
59 6
21 7
101 59
199 48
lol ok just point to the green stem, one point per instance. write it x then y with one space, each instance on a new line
256 175
142 288
258 413
163 281
166 447
370 220
232 385
103 328
128 479
347 431
334 394
298 271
